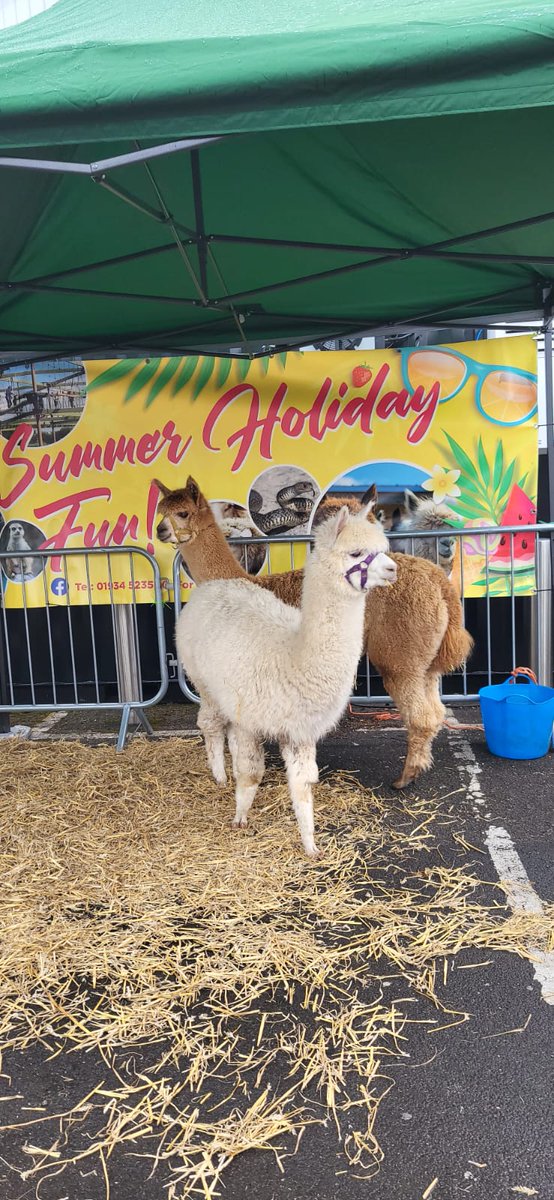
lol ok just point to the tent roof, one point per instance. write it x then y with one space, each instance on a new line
361 148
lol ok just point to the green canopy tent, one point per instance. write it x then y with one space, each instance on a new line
214 176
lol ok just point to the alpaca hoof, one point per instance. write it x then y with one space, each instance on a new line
312 851
410 775
240 822
406 778
220 778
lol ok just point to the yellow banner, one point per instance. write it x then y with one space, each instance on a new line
266 440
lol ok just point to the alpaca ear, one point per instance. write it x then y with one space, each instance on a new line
369 499
411 502
328 531
342 520
195 494
165 491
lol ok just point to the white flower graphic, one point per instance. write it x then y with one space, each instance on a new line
443 484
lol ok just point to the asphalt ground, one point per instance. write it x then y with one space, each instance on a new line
472 1107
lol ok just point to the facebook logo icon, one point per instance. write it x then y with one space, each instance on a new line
59 587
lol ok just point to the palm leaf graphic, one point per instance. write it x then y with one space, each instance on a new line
187 371
118 370
141 378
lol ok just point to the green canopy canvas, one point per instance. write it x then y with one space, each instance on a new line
211 175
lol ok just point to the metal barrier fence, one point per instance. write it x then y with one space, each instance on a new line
508 630
66 656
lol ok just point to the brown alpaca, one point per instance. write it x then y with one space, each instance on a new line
413 629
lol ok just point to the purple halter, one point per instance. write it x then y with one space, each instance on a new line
362 567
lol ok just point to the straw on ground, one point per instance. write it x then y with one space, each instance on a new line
233 965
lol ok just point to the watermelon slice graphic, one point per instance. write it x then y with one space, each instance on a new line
519 510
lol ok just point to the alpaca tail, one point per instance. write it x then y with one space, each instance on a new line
457 643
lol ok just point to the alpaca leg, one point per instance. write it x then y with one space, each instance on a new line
432 687
302 772
418 702
248 757
233 744
212 726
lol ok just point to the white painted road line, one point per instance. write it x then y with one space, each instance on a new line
521 897
520 893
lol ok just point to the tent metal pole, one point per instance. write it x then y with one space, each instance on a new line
129 198
199 219
161 219
549 390
106 164
24 286
144 154
314 277
238 318
46 164
173 227
383 327
117 261
544 582
403 252
161 216
509 227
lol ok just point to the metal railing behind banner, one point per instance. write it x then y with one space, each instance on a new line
65 654
509 613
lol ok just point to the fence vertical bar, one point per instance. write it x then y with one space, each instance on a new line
463 601
136 643
70 632
513 602
549 395
114 627
488 590
92 633
541 614
49 628
6 657
27 634
4 716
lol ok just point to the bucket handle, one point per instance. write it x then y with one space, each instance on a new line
525 673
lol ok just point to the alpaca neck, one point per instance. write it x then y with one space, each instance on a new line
208 556
331 623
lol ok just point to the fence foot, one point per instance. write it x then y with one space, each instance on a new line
123 727
142 719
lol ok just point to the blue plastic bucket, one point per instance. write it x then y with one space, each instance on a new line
517 720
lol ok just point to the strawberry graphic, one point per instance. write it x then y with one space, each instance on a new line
361 375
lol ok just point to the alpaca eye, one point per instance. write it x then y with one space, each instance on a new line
356 553
182 515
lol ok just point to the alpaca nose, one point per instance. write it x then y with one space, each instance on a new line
388 568
446 545
163 530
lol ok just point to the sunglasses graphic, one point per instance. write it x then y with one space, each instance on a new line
504 395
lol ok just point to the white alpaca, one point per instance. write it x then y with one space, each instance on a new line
266 670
